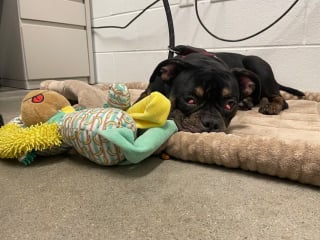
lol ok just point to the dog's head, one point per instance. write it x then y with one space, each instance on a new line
204 94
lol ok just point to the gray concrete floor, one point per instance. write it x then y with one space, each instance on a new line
68 197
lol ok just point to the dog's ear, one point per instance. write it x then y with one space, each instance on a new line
168 69
162 77
245 75
183 50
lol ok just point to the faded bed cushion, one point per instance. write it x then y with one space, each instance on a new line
285 145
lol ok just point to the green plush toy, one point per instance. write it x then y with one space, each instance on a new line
107 136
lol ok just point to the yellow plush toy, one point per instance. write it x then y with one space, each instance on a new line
107 136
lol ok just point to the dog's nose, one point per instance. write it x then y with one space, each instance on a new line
213 125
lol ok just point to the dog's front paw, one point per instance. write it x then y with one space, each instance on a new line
246 104
270 108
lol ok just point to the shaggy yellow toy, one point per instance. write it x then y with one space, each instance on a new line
107 136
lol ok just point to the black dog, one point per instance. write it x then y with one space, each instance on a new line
206 89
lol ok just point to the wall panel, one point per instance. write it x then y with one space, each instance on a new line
292 46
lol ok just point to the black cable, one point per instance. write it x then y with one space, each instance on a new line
245 38
169 21
170 27
131 21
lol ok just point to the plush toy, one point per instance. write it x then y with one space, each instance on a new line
40 105
107 136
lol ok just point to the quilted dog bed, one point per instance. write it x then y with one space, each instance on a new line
285 145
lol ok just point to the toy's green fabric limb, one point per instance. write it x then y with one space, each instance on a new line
28 159
136 150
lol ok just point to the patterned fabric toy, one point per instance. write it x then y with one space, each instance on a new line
118 97
106 136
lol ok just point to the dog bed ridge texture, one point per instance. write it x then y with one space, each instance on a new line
285 145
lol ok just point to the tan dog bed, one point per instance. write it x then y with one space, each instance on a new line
285 145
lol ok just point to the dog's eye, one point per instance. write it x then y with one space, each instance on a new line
229 104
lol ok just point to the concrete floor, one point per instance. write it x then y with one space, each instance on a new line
67 197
